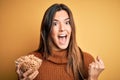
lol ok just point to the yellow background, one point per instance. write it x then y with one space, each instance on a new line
97 23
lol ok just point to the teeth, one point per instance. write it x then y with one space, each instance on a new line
62 35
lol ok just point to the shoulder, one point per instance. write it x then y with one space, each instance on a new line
37 54
88 58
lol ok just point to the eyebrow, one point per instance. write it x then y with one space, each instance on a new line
58 20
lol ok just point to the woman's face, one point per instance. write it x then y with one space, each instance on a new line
61 30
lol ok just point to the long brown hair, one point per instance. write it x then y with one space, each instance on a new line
75 55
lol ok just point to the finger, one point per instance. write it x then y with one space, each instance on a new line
97 63
18 71
97 66
99 60
33 75
92 65
92 69
28 72
100 63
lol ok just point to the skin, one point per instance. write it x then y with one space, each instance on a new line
95 68
28 75
60 37
61 31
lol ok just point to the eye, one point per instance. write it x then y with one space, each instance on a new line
54 23
67 22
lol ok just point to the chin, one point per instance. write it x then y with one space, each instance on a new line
63 47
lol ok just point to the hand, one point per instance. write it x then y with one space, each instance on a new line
28 75
95 68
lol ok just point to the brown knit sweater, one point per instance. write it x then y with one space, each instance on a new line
54 68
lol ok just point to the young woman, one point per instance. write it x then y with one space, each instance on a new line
62 59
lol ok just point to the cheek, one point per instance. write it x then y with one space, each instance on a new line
53 33
69 30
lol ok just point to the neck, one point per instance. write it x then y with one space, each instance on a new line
58 56
58 53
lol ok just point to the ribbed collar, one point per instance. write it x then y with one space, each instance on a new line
58 57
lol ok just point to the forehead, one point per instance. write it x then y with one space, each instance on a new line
62 14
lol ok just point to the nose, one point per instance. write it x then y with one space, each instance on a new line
62 27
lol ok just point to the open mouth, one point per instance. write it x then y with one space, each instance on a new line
62 38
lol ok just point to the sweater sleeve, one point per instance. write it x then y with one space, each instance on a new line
87 60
